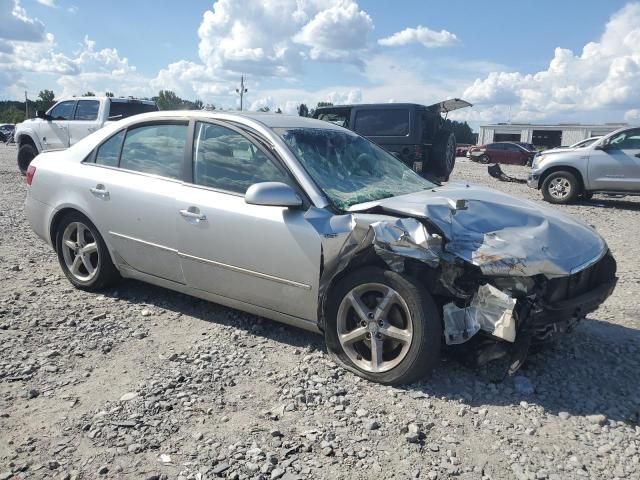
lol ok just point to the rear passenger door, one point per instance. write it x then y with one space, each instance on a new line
132 187
262 255
85 120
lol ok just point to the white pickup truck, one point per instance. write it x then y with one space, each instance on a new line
70 120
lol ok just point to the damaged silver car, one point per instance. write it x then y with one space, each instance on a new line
307 223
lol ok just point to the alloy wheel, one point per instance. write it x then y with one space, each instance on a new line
375 327
559 188
80 251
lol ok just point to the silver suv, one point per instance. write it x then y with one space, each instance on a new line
610 165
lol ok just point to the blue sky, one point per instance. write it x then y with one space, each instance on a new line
526 59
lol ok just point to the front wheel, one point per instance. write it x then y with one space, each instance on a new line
383 326
83 255
26 153
560 187
484 159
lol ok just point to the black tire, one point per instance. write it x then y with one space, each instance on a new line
423 351
587 195
3 137
26 153
484 159
562 194
106 272
443 154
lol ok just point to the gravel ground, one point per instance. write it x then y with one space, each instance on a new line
143 383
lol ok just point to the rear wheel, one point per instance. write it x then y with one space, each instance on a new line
561 187
26 153
384 326
443 154
484 158
83 255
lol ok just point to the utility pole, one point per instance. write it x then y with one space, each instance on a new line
241 90
26 106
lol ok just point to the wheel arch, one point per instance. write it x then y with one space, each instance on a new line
27 138
61 213
561 168
366 259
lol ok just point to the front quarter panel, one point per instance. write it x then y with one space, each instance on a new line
560 161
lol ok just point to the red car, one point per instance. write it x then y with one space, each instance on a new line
462 149
501 152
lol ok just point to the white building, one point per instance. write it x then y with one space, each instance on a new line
549 136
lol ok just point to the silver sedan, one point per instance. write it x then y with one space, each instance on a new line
309 224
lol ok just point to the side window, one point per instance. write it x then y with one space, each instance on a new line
156 149
109 152
382 123
87 110
63 111
627 140
225 160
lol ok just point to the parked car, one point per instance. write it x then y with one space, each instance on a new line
501 152
462 149
611 165
69 121
527 146
414 133
582 143
6 131
307 223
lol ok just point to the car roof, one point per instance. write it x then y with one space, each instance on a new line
270 120
113 99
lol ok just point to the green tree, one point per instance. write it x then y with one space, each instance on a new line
46 99
89 94
461 130
198 105
264 109
303 110
12 114
168 100
108 94
278 110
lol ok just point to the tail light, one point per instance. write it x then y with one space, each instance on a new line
31 172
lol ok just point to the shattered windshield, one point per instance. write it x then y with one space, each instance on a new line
348 168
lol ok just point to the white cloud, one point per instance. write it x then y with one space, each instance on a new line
602 80
47 3
16 25
336 33
421 35
274 37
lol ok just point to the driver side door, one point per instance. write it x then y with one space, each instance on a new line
617 166
54 133
262 255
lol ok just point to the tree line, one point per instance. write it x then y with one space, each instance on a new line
14 111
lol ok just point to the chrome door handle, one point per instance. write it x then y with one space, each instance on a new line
100 191
189 213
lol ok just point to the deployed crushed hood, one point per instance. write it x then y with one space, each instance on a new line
501 234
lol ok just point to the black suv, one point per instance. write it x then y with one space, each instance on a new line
413 133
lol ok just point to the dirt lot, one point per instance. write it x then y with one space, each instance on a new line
141 383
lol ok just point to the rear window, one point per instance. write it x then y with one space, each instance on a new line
121 110
382 123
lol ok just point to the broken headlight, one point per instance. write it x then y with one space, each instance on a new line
515 286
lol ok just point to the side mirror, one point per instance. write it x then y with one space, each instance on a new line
603 146
42 115
273 194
